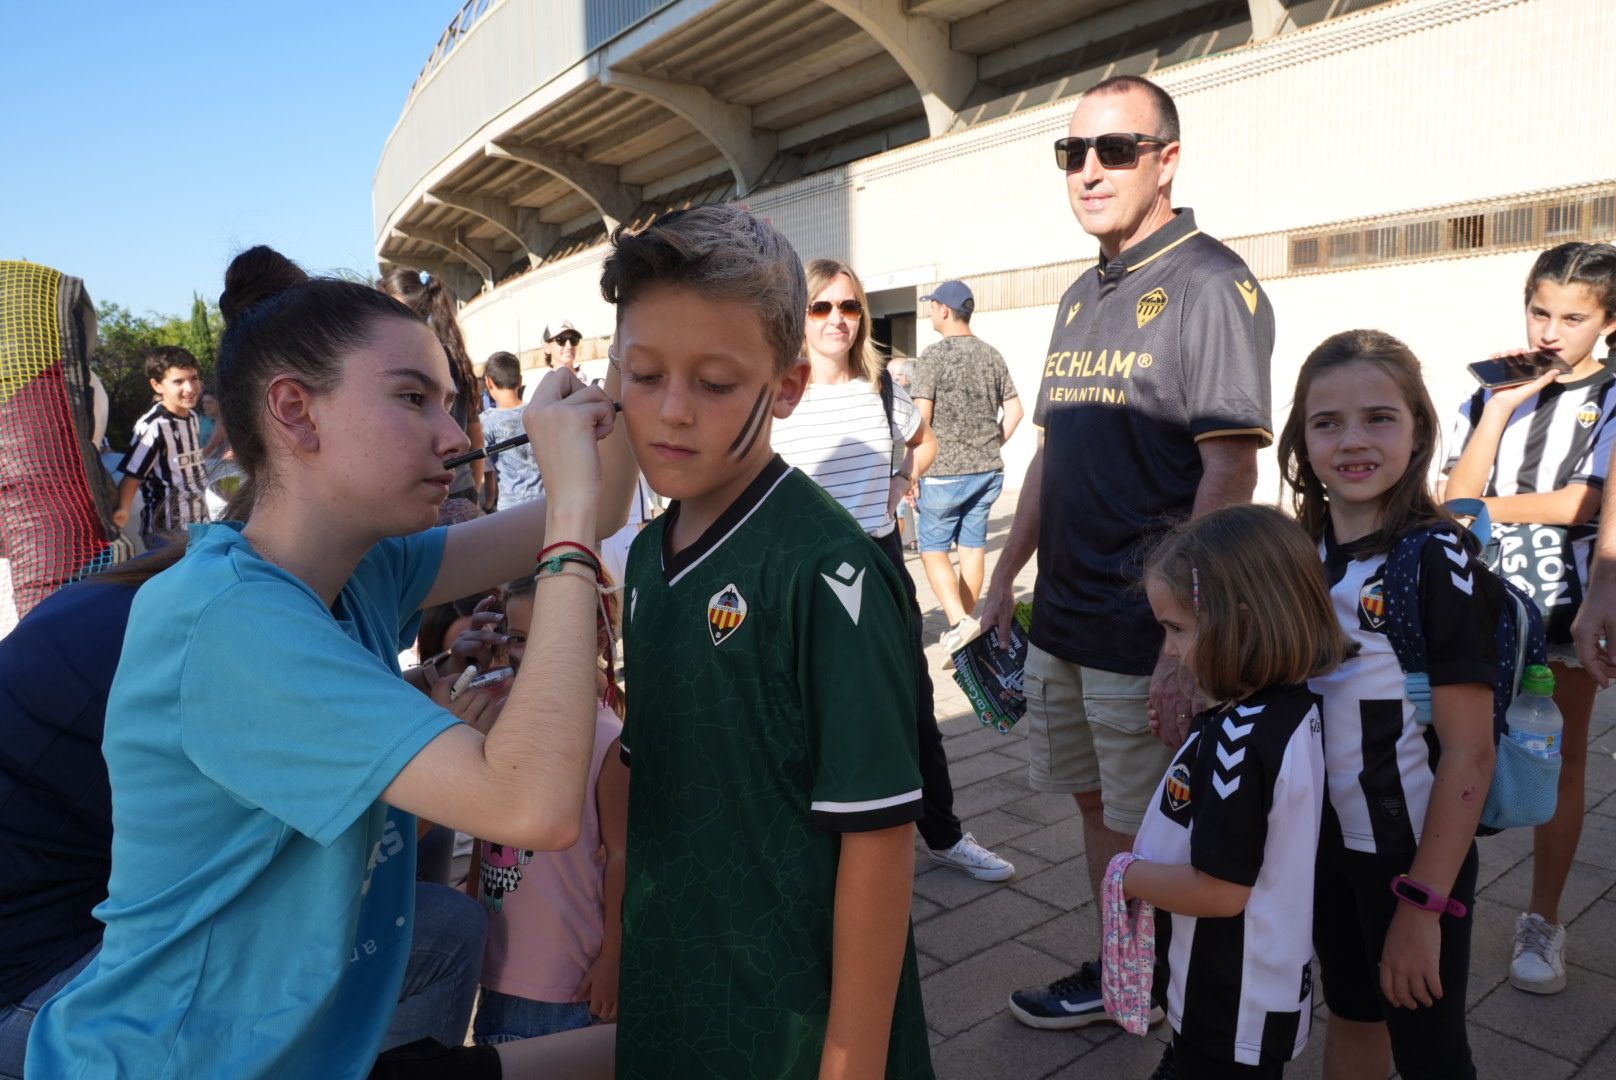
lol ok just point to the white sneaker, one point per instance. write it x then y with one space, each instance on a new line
967 629
956 636
974 859
1539 963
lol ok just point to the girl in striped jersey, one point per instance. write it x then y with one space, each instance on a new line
1228 842
1539 454
1403 798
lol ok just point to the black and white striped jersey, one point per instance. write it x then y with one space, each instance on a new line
166 454
1242 802
1379 759
1560 436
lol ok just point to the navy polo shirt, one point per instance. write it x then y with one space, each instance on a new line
1165 345
55 806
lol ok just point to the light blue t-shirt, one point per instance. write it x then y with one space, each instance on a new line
518 469
261 898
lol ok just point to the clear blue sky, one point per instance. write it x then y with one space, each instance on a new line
143 144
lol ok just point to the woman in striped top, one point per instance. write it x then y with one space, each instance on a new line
1539 454
845 436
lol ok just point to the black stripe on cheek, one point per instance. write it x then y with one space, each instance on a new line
754 424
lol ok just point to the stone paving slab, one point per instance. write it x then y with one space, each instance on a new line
978 941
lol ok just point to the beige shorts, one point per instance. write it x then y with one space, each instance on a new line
1087 730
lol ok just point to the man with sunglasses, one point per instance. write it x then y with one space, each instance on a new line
959 385
1154 402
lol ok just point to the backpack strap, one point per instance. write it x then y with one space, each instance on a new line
886 394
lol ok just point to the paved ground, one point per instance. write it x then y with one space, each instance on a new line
979 941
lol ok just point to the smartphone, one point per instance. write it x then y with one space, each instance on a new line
1503 371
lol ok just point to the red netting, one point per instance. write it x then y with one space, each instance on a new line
52 526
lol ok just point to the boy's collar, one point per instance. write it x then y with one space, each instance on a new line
675 564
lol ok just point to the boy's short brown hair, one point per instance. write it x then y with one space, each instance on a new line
160 359
724 253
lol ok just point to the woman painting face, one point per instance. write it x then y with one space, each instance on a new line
382 434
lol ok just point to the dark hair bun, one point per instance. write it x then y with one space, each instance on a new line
253 277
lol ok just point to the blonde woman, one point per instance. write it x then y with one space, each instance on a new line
845 434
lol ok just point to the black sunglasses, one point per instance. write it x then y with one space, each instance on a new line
1118 150
567 339
821 309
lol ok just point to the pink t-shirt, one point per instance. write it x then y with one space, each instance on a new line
546 909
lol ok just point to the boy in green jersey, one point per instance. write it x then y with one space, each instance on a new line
770 735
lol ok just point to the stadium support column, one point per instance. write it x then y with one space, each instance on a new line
465 283
944 77
1268 19
520 223
614 200
727 125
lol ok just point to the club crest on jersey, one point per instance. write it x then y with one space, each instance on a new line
726 611
1372 602
1152 304
1588 415
1178 786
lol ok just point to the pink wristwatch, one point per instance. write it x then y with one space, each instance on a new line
1424 897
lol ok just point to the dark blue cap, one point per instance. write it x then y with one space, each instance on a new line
953 294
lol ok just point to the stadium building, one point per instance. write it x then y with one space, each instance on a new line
1392 164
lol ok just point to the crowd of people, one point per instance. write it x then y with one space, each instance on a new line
659 823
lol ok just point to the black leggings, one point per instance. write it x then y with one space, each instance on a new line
938 825
1352 910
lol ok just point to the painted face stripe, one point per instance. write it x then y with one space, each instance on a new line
754 424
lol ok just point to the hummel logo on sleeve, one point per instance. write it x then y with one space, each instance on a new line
1235 732
849 589
1228 757
1462 582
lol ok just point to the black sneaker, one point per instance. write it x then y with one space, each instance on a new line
1069 1002
1072 1001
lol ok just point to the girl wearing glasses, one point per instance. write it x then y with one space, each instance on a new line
845 434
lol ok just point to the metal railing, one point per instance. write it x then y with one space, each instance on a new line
458 27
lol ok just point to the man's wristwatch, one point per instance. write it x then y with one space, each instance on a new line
1424 897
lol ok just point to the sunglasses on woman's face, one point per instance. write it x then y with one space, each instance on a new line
567 339
1118 150
821 309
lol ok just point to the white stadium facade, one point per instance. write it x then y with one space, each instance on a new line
1387 164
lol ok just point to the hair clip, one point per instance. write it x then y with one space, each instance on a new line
1195 589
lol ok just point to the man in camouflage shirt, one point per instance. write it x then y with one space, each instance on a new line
960 384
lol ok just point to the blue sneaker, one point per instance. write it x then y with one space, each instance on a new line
1072 1001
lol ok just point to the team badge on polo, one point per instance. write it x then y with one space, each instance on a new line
1178 786
1587 415
726 611
1372 601
1152 304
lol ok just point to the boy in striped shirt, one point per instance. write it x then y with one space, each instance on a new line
164 461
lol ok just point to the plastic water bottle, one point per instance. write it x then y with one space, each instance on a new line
1534 721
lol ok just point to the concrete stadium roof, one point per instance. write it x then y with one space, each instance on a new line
539 124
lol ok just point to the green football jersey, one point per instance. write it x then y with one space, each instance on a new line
771 708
